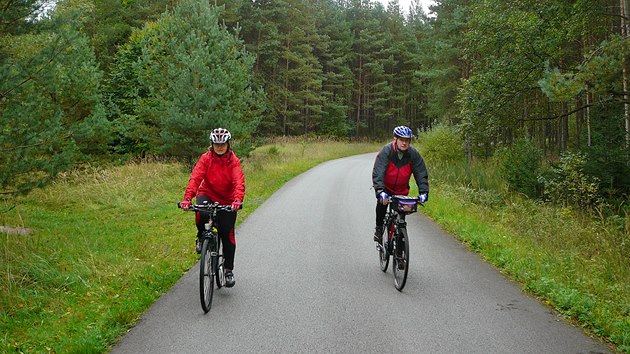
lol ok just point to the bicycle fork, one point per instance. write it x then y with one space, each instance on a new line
216 258
391 231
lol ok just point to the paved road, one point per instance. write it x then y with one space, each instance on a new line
308 281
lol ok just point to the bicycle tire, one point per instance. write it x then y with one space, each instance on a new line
206 276
217 262
400 259
383 254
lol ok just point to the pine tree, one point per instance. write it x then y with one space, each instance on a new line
261 21
334 52
135 133
51 112
198 77
414 45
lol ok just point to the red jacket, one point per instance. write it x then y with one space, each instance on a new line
220 178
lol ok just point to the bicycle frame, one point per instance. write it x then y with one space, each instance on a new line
393 221
396 243
211 260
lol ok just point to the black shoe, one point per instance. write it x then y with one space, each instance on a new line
198 246
378 234
229 278
401 264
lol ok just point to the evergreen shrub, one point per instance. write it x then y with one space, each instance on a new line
520 166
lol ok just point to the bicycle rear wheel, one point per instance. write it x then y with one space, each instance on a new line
400 259
206 276
383 253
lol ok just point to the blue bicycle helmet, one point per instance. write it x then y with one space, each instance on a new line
402 132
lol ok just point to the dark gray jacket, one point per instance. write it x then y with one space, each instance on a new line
392 174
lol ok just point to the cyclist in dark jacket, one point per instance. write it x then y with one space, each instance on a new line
218 177
394 165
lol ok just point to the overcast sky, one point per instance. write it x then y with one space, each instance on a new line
405 4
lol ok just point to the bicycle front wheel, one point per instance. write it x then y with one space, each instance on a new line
206 276
400 263
217 263
383 254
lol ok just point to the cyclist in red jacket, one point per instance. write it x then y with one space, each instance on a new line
394 165
218 177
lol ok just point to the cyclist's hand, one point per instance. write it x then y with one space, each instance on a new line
423 198
383 198
185 204
236 205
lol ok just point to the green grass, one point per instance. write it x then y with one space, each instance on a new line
108 242
577 264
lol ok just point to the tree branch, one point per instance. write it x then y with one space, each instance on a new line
30 77
6 93
618 93
6 7
596 51
30 13
560 115
33 145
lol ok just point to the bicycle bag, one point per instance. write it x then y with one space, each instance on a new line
405 204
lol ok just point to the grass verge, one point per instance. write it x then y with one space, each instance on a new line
575 264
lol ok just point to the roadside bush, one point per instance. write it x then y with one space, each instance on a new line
569 185
520 166
442 144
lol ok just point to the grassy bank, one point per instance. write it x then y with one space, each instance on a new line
106 243
573 262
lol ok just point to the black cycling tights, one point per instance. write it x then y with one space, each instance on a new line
225 225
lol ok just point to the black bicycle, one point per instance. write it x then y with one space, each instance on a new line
211 260
396 242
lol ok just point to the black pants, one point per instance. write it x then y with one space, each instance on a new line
380 213
225 226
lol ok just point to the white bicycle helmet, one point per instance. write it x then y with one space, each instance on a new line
220 136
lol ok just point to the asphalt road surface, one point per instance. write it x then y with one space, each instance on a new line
308 281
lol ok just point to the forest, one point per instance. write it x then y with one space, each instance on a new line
542 84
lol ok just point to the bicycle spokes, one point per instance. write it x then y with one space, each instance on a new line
206 275
401 259
396 243
383 253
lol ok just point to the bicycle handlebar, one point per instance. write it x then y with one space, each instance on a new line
207 207
405 197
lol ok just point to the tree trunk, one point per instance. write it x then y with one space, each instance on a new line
624 33
359 83
544 137
578 118
565 127
589 99
285 126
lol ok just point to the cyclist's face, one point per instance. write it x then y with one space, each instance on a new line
220 149
402 143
